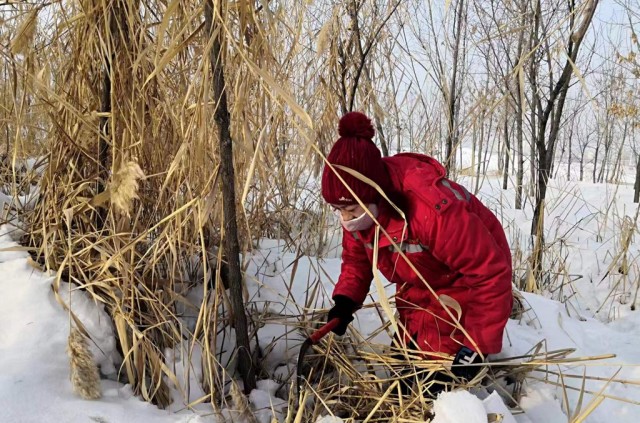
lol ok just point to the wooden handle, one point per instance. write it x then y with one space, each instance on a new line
324 330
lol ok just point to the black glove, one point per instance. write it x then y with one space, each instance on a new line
343 309
463 364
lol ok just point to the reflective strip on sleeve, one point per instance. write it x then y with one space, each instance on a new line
409 248
459 196
467 194
412 248
366 244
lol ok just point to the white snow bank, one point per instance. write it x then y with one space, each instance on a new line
34 366
494 405
463 407
459 407
99 326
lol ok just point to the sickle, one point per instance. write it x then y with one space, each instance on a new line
313 340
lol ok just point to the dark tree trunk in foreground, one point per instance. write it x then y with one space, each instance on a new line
103 144
231 244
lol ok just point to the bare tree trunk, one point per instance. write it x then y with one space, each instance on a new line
535 98
355 25
474 145
481 140
520 172
570 153
532 153
103 145
605 160
552 114
554 107
487 144
501 155
520 96
583 151
595 158
636 185
440 139
553 169
617 164
607 146
384 144
507 147
563 149
231 244
452 130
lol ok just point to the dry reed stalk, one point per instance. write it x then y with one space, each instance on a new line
85 378
240 404
23 39
621 265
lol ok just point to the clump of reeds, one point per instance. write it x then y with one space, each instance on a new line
113 91
623 269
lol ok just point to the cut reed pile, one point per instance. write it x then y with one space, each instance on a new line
359 381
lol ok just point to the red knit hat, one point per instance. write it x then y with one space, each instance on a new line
356 150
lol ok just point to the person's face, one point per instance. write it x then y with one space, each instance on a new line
349 212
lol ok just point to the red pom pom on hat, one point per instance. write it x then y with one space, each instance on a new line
356 150
356 125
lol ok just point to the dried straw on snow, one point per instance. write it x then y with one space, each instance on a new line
240 404
84 372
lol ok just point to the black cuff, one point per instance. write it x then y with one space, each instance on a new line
464 364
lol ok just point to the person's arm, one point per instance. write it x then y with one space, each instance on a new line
356 273
353 283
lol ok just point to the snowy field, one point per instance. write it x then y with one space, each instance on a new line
587 305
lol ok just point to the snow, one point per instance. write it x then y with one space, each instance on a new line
463 407
493 404
591 313
97 323
590 338
329 419
34 367
459 406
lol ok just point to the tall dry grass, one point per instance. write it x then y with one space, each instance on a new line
130 197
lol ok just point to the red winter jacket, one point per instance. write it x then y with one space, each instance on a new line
454 241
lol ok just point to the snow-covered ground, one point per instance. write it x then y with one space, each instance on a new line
34 366
593 315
